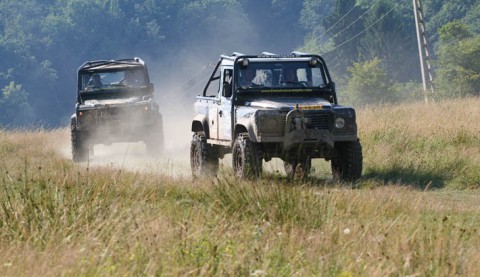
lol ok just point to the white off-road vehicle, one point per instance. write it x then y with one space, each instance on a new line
258 107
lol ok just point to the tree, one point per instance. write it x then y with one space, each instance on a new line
440 12
458 56
473 19
390 34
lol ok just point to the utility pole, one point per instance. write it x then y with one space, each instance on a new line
423 51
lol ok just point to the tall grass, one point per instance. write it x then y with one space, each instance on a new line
61 218
427 145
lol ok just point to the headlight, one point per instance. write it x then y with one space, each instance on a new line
86 117
339 123
270 123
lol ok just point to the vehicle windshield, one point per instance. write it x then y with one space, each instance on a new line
130 78
280 75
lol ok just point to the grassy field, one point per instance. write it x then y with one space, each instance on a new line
415 212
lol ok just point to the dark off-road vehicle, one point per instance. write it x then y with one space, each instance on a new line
115 103
265 106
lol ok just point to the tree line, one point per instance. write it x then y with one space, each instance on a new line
370 45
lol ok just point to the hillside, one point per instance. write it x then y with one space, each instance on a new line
369 46
415 212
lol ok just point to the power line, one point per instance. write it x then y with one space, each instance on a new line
363 31
177 88
186 92
331 27
344 29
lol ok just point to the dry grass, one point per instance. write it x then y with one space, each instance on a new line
426 145
59 218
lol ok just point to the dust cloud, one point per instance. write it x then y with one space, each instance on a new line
179 75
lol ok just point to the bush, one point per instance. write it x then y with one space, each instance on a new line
14 107
368 84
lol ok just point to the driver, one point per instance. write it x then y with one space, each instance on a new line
94 82
247 78
289 76
132 78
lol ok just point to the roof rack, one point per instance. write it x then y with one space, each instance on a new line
91 64
298 53
265 53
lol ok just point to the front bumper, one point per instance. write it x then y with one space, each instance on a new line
307 137
305 129
109 125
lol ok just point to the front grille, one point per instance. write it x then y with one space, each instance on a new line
126 116
321 121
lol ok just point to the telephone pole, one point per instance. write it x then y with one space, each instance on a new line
423 51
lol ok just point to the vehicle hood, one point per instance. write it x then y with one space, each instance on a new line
112 102
289 103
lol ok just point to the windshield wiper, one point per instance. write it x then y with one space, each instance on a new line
252 86
302 83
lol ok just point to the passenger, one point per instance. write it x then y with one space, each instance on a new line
267 81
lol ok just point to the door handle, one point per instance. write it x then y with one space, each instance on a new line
220 113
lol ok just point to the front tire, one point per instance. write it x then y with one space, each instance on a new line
80 148
298 169
203 160
347 162
246 161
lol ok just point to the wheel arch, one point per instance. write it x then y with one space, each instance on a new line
244 125
73 120
199 124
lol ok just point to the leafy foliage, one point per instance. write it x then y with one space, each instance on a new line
459 53
16 110
368 84
43 42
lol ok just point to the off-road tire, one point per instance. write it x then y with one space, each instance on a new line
203 160
154 141
80 148
246 159
298 169
347 161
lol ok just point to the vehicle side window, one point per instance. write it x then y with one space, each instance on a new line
317 77
214 85
227 83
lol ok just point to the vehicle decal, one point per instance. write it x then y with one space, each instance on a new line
285 90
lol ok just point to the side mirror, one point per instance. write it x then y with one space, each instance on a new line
151 87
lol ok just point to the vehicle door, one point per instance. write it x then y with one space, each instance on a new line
211 94
225 105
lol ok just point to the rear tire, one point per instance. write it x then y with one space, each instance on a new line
80 147
246 160
203 160
347 162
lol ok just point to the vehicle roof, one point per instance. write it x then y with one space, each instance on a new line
269 57
100 65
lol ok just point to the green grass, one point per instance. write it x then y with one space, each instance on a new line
415 212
